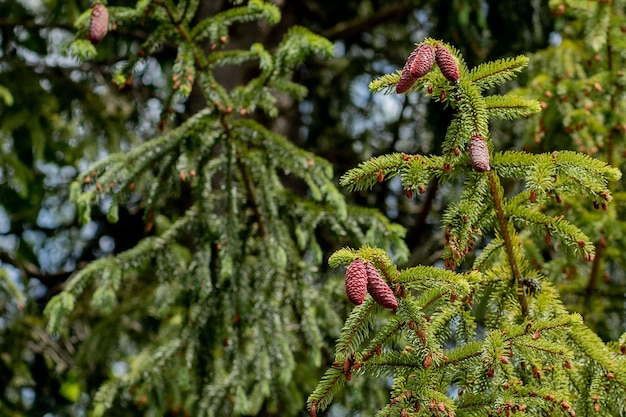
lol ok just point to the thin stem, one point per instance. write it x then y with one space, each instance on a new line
496 193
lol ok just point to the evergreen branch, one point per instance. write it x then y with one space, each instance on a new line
355 329
392 360
430 297
63 303
342 257
457 137
419 171
149 363
461 354
593 347
231 57
411 313
472 111
492 73
182 30
510 107
10 287
373 171
590 173
217 25
474 405
547 172
552 348
382 338
381 233
425 277
490 250
597 27
513 164
296 45
464 220
315 171
115 168
386 83
572 237
330 384
442 321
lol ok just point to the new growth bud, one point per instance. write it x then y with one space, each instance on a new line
98 23
479 154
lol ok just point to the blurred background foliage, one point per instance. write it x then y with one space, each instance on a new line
57 115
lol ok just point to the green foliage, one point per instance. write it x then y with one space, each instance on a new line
581 84
488 333
127 323
231 267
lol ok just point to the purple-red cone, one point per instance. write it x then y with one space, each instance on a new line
479 154
378 289
423 61
406 81
98 23
448 66
356 281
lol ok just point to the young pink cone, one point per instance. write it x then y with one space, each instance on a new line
423 61
406 80
98 23
378 289
356 281
446 63
479 154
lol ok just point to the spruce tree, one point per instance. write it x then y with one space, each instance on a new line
483 332
227 294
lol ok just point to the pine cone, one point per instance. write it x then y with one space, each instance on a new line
378 289
479 154
446 63
423 61
406 80
356 281
98 23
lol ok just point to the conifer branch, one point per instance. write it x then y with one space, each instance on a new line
573 238
511 107
425 277
372 172
472 109
487 253
461 354
329 385
490 74
355 330
385 83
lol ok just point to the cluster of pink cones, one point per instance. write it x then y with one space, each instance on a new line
421 61
362 278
